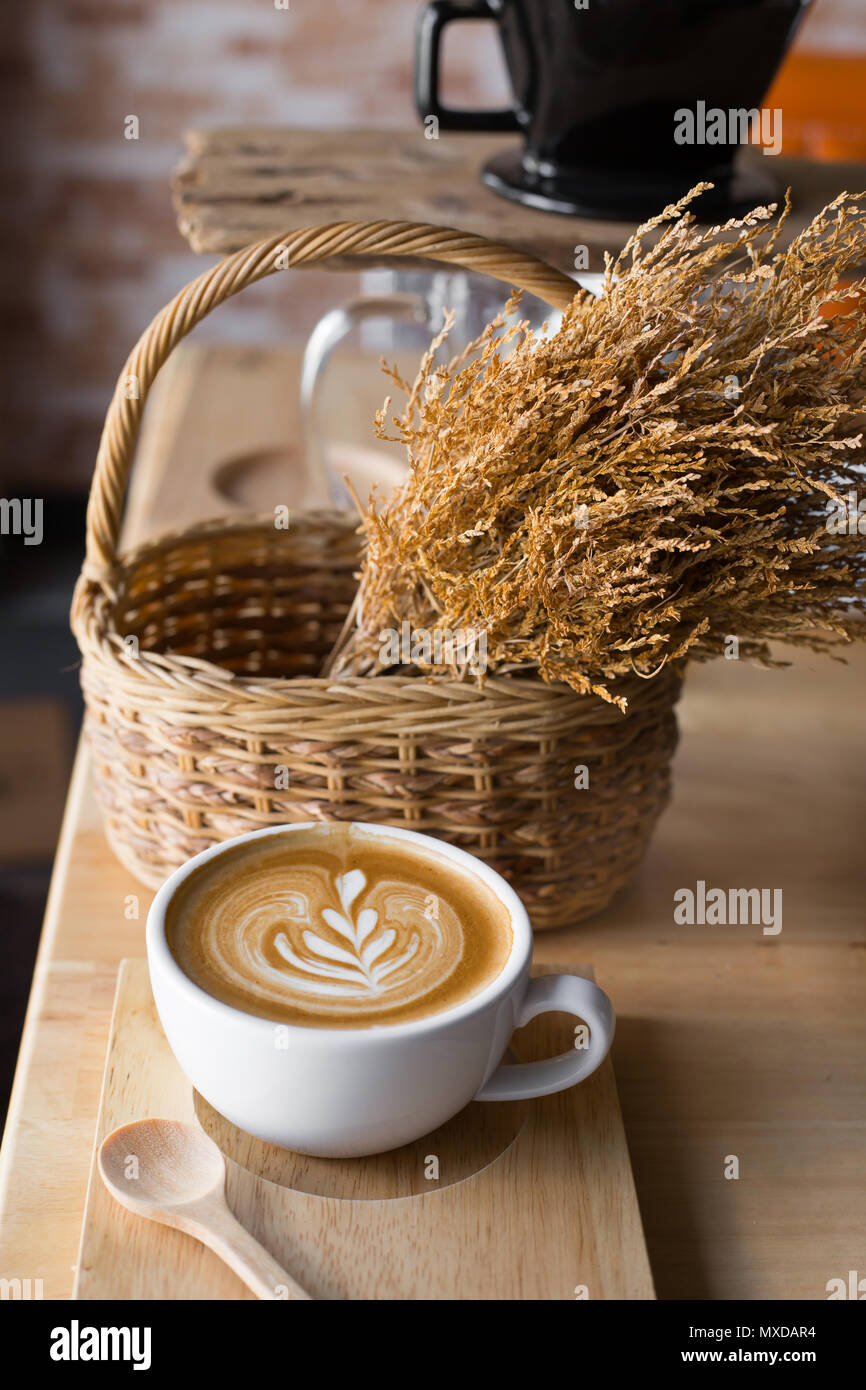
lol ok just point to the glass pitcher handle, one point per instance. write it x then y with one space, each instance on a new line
328 333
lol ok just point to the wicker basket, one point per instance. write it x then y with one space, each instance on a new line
201 652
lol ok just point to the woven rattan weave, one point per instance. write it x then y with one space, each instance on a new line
201 654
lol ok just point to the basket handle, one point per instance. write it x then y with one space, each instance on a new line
245 267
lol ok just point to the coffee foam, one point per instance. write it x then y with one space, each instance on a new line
336 928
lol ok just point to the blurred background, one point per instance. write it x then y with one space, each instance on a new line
89 251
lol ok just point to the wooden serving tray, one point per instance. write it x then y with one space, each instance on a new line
533 1200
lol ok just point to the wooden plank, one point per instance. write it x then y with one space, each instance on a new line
238 184
369 1228
754 1053
48 1137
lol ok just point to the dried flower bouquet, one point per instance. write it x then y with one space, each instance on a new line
648 480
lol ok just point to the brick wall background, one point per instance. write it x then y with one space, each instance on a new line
90 248
89 245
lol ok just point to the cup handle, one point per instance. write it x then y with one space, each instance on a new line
568 994
434 17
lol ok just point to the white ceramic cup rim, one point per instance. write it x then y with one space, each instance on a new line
521 945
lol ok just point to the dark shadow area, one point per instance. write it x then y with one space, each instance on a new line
40 712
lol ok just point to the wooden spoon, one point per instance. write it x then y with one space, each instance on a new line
173 1173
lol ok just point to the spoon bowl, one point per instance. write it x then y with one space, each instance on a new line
171 1172
160 1163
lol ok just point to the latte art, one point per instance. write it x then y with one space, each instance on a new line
377 956
333 938
325 927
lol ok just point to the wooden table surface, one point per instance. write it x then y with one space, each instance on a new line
237 184
731 1044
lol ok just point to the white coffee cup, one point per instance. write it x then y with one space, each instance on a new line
343 1092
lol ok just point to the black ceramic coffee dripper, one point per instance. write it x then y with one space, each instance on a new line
600 91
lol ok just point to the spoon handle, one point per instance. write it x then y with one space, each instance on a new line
224 1234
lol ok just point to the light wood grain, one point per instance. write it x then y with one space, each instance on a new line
237 184
549 1207
728 1042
